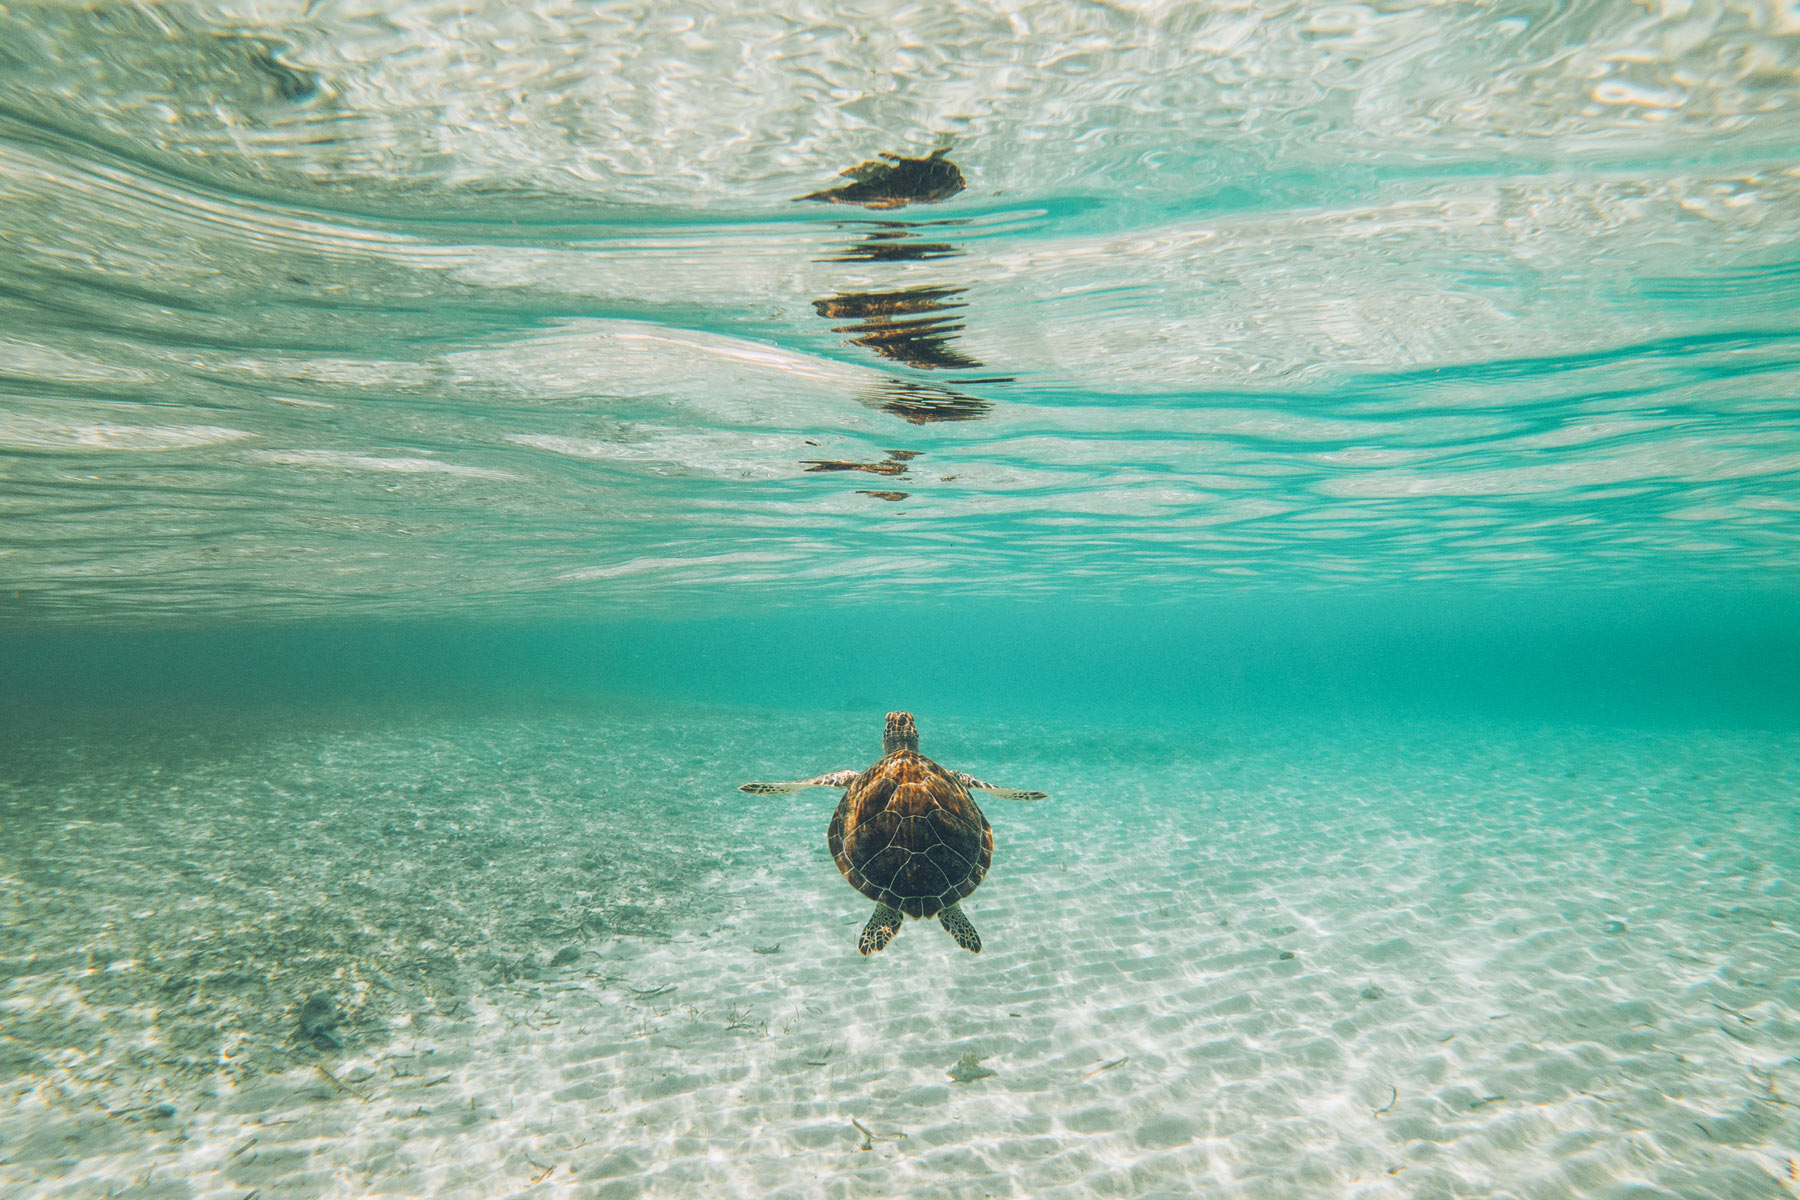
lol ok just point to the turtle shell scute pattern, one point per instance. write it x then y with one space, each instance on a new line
908 835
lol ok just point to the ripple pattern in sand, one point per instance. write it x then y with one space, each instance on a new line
1445 961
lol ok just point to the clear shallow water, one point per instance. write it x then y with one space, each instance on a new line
1435 958
423 312
1347 455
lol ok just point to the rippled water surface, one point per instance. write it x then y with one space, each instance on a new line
431 310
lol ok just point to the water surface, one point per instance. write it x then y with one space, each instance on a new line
435 312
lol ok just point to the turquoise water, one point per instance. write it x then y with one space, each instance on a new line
1346 454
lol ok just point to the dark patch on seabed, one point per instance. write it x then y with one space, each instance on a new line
236 897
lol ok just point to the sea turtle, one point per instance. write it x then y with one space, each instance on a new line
908 835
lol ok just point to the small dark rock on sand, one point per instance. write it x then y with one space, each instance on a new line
968 1069
318 1017
568 956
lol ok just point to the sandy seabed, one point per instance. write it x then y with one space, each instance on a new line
556 954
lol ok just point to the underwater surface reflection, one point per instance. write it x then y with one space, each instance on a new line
1346 455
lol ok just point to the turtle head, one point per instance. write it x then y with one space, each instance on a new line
900 734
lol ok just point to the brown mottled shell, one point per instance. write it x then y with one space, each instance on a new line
908 835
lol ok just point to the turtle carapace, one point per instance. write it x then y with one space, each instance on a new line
908 835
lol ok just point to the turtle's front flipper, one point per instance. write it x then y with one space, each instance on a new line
880 930
837 779
969 781
957 926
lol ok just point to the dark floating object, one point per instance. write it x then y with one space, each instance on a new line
775 949
1614 927
884 495
924 403
1285 956
890 324
891 181
1373 993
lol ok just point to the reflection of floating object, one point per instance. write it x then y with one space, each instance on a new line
889 467
894 464
907 835
884 495
893 241
890 181
876 305
919 342
870 250
923 403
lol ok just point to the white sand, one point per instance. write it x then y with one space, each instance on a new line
1524 962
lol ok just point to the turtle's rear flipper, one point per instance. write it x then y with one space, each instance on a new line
958 927
880 930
